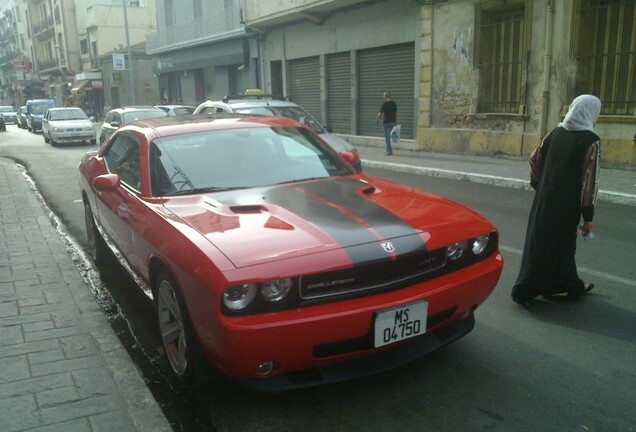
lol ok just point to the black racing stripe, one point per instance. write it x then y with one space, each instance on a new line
342 193
342 228
362 244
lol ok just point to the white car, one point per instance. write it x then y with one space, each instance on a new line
175 110
9 114
67 125
254 102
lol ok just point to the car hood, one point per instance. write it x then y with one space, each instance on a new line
69 124
265 224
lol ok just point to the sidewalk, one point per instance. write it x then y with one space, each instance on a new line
616 185
62 368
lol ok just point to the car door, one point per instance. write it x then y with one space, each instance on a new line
122 212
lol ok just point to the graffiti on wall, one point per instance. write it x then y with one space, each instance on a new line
461 41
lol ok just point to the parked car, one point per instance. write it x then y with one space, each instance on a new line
270 258
256 103
9 114
67 125
35 110
175 110
3 125
119 117
21 117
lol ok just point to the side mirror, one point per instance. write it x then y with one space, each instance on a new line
92 118
106 183
350 157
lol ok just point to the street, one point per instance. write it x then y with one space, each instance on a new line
559 366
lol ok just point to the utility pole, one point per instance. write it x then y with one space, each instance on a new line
130 62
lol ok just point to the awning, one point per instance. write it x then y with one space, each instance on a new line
78 85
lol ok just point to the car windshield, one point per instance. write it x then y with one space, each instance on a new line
7 109
239 158
68 114
132 116
183 110
40 109
292 112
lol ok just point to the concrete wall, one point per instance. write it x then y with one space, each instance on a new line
447 77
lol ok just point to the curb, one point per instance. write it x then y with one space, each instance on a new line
603 195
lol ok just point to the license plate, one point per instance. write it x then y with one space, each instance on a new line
397 324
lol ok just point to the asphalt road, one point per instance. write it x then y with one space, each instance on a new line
560 366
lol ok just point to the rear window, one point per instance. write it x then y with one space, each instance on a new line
134 116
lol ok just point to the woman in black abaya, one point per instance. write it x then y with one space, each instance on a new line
564 173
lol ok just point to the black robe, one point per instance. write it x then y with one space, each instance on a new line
564 172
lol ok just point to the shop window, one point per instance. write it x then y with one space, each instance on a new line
606 54
500 57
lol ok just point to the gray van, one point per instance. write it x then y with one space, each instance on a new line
35 110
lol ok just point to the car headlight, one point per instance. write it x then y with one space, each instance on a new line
88 128
277 290
479 245
455 251
58 129
239 297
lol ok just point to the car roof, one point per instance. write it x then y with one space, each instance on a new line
179 125
63 108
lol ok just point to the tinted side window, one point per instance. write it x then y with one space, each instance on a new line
122 158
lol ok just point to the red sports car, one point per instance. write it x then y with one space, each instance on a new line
270 258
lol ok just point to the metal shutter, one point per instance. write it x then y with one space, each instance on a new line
389 69
339 103
305 84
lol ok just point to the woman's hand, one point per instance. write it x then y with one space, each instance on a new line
586 228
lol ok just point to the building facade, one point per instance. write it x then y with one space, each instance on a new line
469 76
202 51
58 49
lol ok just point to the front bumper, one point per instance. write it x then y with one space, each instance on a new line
364 366
334 341
70 137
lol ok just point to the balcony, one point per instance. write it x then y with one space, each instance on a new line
44 28
44 66
199 31
260 15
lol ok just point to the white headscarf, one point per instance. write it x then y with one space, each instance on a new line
582 113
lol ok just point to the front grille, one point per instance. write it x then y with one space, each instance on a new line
372 276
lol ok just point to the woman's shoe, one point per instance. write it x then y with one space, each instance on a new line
586 289
522 301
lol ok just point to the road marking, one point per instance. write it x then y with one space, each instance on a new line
598 274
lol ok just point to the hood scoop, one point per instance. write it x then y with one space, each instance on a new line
246 209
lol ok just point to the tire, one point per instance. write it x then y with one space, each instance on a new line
96 245
93 141
177 333
46 140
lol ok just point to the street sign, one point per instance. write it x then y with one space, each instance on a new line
119 62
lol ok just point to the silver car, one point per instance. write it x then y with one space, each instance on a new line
67 125
255 103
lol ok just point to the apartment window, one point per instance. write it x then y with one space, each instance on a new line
500 57
94 49
169 11
83 46
606 54
197 11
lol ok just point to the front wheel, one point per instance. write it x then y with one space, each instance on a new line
177 333
96 245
